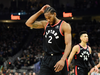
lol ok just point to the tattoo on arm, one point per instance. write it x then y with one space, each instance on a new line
37 25
34 25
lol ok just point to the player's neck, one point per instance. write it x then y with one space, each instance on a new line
56 20
83 44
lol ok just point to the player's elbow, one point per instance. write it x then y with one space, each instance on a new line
68 44
27 24
69 61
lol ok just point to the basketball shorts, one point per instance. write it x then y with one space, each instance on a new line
48 63
80 71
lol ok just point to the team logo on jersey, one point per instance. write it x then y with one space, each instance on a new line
48 26
88 49
78 68
57 27
81 48
54 33
85 55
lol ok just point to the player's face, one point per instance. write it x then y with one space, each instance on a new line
50 18
84 38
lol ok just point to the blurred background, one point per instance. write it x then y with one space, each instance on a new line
21 47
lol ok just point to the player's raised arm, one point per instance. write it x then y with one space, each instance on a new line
31 22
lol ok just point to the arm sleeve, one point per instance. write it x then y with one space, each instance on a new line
91 61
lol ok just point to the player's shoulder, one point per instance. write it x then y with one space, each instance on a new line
65 23
66 26
89 47
76 46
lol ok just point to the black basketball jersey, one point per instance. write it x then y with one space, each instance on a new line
53 39
82 57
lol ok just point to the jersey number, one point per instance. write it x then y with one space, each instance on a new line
49 41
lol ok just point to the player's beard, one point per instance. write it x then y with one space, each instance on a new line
53 23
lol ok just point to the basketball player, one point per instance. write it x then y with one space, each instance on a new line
82 55
56 41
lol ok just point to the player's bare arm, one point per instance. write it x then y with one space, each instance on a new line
66 29
38 24
75 49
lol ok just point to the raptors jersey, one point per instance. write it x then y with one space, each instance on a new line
82 57
53 39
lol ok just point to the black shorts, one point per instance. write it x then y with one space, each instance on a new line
80 71
48 63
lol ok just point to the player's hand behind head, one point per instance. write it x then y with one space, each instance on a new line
44 7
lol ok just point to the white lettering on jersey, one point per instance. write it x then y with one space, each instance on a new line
49 41
85 55
50 37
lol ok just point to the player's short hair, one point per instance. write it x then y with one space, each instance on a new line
82 32
49 9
